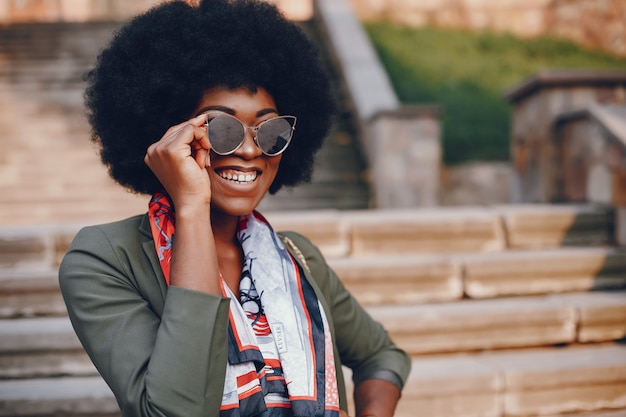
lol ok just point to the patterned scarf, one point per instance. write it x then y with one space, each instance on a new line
297 322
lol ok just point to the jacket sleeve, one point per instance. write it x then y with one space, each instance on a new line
157 363
363 343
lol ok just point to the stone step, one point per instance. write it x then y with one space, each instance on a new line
420 278
518 272
600 413
28 277
541 226
517 383
451 229
24 42
364 233
34 347
518 322
52 397
548 381
373 235
43 82
42 347
30 293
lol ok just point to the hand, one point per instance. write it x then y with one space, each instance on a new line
180 160
344 414
376 398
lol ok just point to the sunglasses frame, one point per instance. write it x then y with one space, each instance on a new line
255 130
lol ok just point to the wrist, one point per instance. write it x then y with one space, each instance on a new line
193 211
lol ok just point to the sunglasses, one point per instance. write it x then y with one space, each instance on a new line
227 133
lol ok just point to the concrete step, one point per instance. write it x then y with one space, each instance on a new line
554 381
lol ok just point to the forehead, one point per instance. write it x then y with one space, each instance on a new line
239 101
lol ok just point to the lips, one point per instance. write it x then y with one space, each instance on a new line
237 176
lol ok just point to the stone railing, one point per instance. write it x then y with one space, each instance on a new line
568 139
537 103
402 144
592 145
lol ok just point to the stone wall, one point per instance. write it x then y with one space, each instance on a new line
524 17
19 11
603 25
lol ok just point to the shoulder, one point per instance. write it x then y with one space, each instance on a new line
302 243
113 234
311 259
305 252
116 244
118 228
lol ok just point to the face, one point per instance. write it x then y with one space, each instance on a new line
240 180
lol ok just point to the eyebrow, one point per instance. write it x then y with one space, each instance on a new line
231 111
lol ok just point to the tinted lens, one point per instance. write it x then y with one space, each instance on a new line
274 135
225 134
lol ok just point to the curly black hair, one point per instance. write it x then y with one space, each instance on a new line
157 67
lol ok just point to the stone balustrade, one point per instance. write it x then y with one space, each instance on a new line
402 144
569 139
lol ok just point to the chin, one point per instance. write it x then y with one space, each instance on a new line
234 208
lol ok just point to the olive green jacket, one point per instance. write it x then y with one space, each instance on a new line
163 350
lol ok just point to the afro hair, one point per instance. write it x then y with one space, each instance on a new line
157 67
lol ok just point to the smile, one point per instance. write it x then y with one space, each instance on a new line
238 176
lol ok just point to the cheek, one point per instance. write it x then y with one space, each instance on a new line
274 165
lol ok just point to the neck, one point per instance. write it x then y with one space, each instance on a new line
229 251
224 227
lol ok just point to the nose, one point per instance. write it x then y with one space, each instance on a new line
249 149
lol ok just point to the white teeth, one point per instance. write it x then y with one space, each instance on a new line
241 178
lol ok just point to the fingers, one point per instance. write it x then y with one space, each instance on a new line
179 161
183 140
190 130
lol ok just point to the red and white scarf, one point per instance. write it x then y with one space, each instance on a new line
296 318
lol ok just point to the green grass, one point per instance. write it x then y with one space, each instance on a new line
466 74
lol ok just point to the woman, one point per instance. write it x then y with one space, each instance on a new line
198 308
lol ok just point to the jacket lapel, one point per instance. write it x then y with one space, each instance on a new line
147 243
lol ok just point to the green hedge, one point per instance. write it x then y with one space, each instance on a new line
467 73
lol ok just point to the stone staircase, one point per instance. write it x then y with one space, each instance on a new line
505 310
50 172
